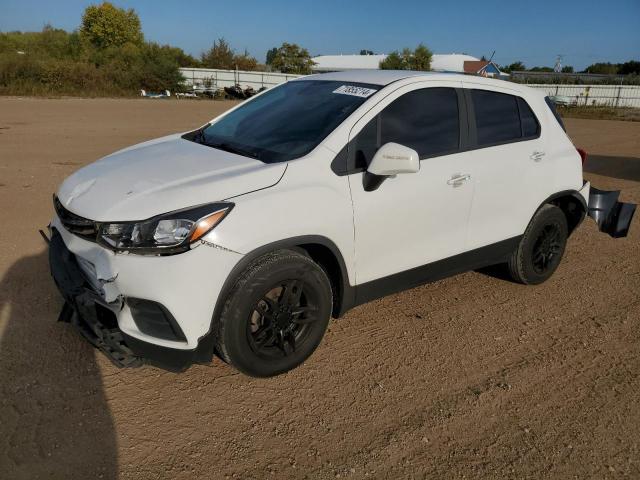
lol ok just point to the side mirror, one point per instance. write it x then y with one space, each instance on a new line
391 159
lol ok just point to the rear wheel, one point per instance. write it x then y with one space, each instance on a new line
276 314
541 247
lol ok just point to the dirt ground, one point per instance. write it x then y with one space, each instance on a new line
470 377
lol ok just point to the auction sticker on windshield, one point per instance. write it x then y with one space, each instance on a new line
355 91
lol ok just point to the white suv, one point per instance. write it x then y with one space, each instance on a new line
244 237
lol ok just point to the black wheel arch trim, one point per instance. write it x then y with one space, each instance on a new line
566 193
574 194
344 295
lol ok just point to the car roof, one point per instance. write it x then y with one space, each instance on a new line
385 77
376 77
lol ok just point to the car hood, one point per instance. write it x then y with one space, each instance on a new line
162 175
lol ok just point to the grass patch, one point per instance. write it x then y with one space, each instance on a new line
601 113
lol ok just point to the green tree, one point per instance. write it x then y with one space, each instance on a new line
271 54
541 69
418 59
366 52
567 69
515 67
106 26
602 68
393 61
245 62
220 55
421 59
159 67
291 58
631 67
182 58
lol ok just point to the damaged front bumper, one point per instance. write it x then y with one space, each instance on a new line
96 318
612 216
85 308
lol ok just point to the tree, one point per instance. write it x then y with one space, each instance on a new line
394 61
602 68
245 61
271 54
632 67
515 67
220 55
291 58
418 59
366 52
421 59
106 26
158 67
567 69
541 69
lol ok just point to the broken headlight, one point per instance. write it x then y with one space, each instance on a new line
170 233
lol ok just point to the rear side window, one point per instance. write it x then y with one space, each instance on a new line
552 107
502 118
426 120
497 117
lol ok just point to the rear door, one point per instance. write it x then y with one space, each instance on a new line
510 163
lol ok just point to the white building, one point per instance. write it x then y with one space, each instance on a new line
452 62
337 63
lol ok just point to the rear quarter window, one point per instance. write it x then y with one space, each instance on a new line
530 125
554 110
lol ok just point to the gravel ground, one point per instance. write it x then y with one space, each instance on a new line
469 377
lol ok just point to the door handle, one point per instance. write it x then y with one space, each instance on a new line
458 179
537 156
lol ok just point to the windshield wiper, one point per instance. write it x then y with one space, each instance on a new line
230 148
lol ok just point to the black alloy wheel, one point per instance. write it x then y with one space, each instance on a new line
547 248
279 322
275 315
541 247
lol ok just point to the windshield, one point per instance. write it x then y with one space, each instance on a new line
288 121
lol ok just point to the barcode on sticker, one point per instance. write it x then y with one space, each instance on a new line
355 91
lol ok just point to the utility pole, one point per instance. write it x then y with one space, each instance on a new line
558 66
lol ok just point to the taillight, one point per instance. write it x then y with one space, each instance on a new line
583 155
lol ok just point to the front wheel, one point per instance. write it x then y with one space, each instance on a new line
541 247
276 314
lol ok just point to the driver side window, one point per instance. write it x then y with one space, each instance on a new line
426 120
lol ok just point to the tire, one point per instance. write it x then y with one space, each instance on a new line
275 315
541 247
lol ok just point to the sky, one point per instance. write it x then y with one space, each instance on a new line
584 32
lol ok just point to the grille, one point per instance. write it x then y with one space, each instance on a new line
75 224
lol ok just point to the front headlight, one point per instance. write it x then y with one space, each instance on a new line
170 233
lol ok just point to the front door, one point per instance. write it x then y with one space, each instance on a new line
418 218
